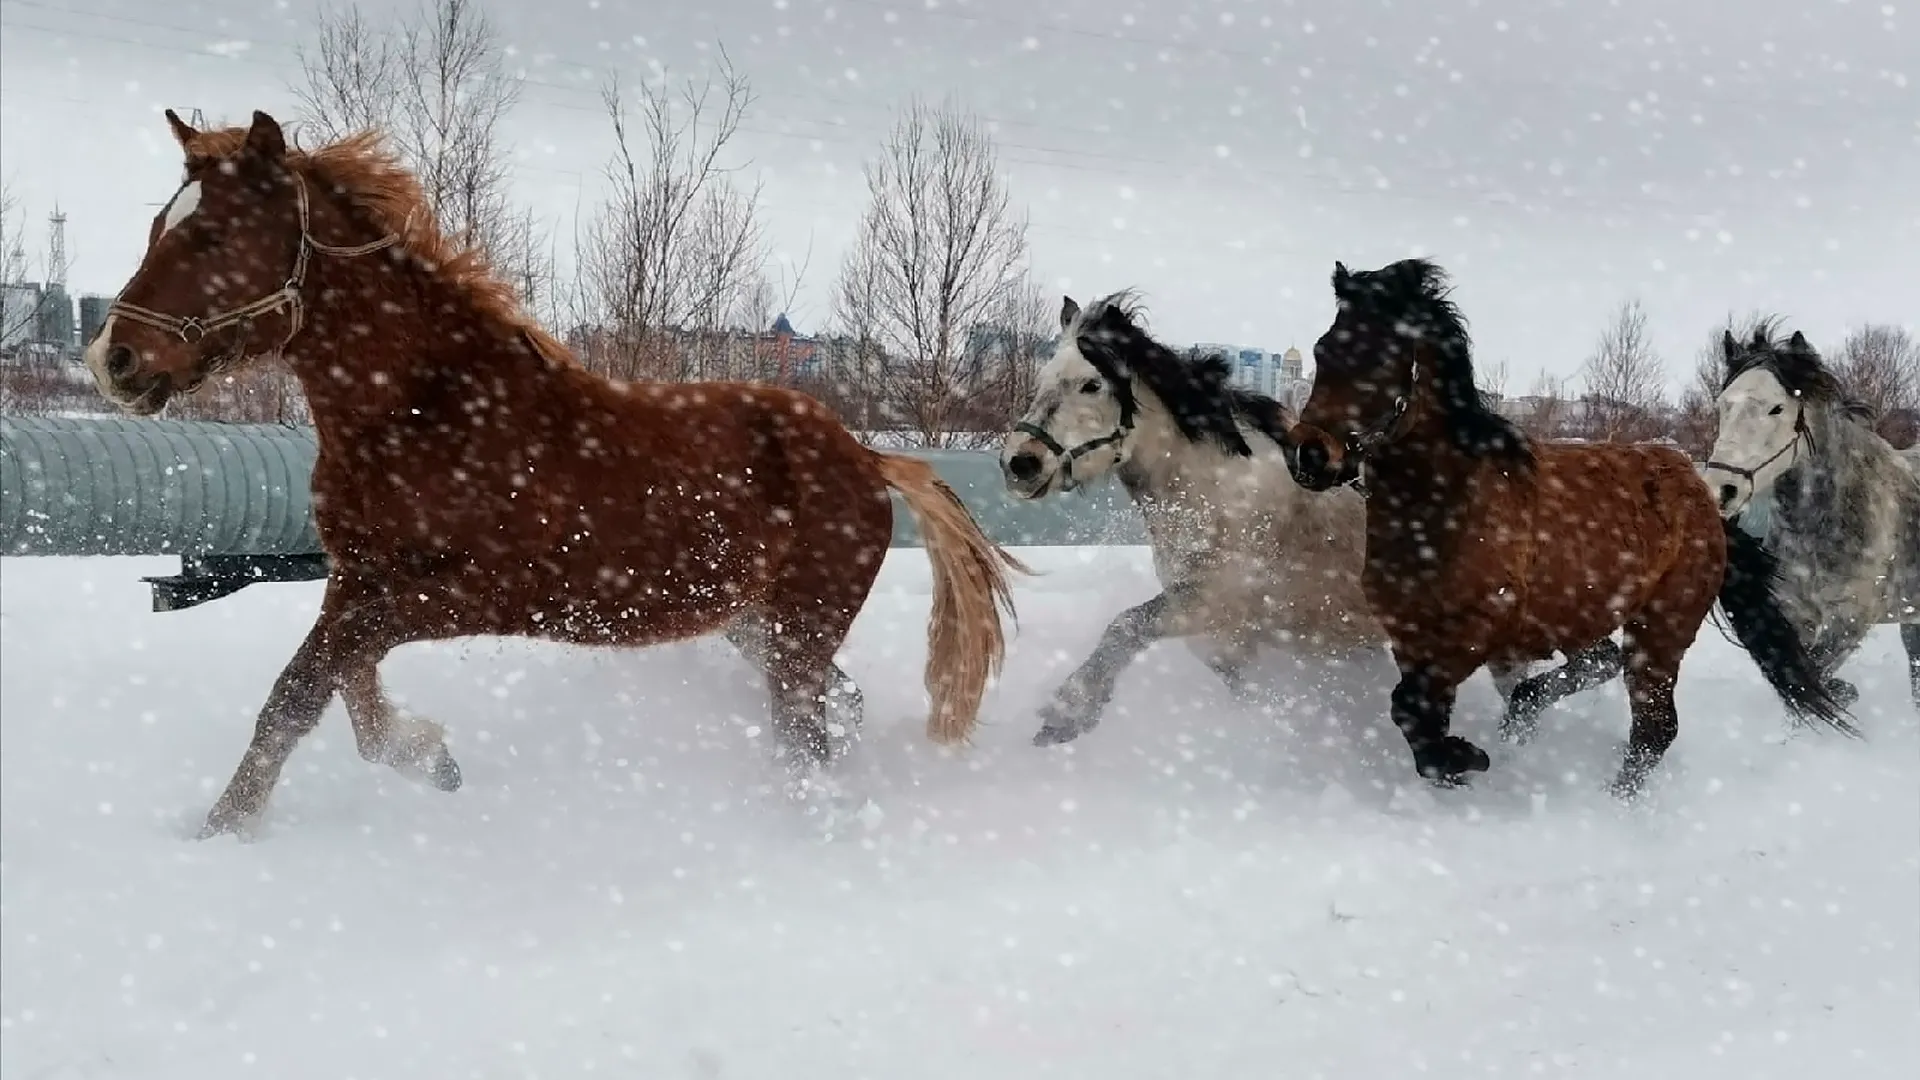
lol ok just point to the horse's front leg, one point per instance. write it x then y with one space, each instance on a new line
351 633
1423 711
1077 704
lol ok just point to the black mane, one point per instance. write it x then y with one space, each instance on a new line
1795 362
1197 392
1413 294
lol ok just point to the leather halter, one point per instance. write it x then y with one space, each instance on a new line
191 329
1361 443
1800 431
1065 456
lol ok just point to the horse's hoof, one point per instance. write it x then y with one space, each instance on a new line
1061 722
444 772
224 821
1449 760
1844 693
1518 732
1051 735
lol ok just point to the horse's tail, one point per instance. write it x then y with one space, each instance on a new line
965 642
1760 624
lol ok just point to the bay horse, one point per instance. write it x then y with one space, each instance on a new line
1841 509
474 479
1485 548
1245 557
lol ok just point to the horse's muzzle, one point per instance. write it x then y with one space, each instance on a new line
1315 460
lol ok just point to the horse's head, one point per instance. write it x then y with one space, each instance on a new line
1080 423
1763 414
1366 374
219 282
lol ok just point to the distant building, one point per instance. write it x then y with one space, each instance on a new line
93 316
19 313
55 318
36 318
1281 376
787 353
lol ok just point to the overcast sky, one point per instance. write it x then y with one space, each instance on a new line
1557 157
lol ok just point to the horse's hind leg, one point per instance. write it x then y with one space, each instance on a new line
1653 656
1532 696
411 745
1837 640
1229 657
844 710
1910 637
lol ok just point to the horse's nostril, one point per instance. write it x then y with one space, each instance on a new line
119 361
1024 466
1728 493
1313 459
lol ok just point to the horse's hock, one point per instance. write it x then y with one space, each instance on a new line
231 501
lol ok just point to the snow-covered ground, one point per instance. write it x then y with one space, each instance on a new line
1193 890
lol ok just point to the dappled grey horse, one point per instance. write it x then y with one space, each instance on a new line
1836 503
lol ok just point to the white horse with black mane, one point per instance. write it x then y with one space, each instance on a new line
1244 555
1836 503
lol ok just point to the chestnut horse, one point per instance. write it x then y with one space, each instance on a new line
1483 548
474 479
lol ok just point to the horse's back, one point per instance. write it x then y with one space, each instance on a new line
1631 523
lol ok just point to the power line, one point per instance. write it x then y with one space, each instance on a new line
1263 179
1257 176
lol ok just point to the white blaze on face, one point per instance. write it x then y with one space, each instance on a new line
185 202
96 355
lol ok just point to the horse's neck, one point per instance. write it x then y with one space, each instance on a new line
365 365
1419 484
1194 497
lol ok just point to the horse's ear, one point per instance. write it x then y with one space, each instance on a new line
1068 309
265 137
1798 343
1729 348
183 132
1342 279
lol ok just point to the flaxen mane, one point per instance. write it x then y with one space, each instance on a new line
1197 393
1415 293
365 169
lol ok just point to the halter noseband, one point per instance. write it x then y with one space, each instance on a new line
1800 431
1065 456
191 329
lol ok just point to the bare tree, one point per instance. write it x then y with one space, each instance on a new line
352 76
1696 421
16 316
1016 347
677 252
1879 364
455 90
861 359
1546 408
944 250
1625 381
1493 380
437 83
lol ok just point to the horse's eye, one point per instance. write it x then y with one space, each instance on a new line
1776 410
1091 386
